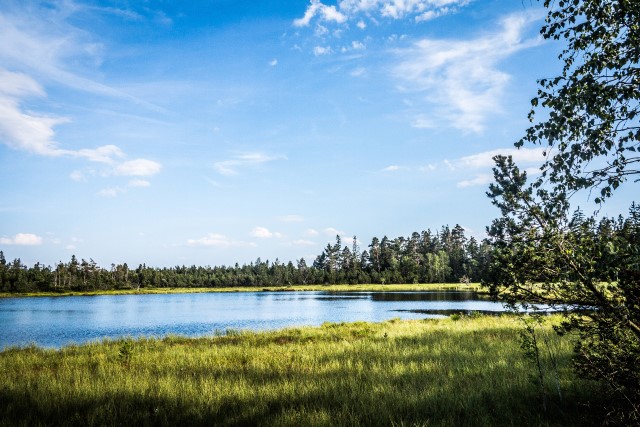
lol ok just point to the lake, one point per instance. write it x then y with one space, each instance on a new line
59 321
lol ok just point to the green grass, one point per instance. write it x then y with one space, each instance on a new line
328 288
468 371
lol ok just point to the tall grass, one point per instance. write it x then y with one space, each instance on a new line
434 372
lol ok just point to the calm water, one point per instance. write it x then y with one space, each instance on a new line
59 321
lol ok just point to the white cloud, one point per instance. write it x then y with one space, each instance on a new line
22 239
273 62
70 247
480 164
20 130
217 240
428 168
42 43
321 50
291 218
421 10
303 242
358 45
423 122
330 231
110 192
78 176
481 179
139 183
138 167
230 167
325 13
103 154
44 46
358 72
485 158
264 233
310 232
461 78
33 132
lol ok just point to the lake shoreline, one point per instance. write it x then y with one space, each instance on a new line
472 287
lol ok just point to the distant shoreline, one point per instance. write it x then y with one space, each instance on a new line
475 287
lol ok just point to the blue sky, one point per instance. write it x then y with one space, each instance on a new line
214 132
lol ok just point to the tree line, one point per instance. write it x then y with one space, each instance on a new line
446 255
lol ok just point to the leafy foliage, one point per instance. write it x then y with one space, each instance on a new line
593 129
544 255
588 269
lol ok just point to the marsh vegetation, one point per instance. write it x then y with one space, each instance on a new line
463 370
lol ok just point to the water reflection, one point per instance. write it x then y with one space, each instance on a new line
59 321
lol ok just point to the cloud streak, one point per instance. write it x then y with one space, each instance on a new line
218 240
479 163
232 166
39 46
460 80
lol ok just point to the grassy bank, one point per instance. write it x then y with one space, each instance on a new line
328 288
468 371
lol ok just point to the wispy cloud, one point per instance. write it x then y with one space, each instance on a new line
527 157
111 192
291 218
139 183
218 240
310 232
332 232
39 47
43 43
358 72
138 167
26 131
231 166
33 132
22 239
485 158
481 179
303 242
480 164
460 80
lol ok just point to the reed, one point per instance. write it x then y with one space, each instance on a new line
467 370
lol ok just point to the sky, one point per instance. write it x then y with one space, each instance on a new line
210 132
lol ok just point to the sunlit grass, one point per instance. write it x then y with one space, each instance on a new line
433 372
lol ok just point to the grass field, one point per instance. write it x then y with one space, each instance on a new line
455 371
329 288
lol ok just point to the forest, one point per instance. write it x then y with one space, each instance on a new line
446 255
443 256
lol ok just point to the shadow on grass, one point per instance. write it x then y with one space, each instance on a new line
433 378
